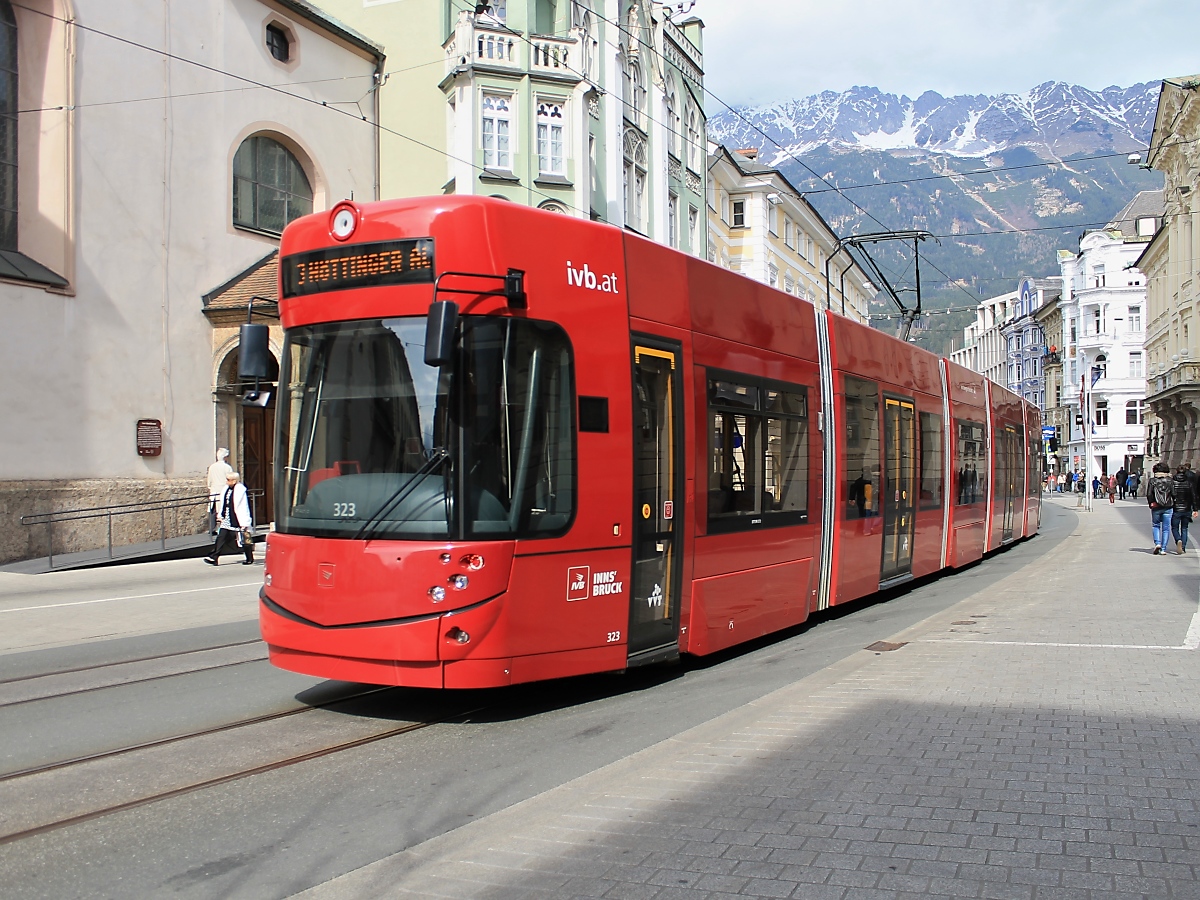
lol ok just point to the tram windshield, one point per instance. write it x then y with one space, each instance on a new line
376 444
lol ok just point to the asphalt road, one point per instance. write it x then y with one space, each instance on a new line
282 831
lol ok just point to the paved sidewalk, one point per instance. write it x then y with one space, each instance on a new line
1040 739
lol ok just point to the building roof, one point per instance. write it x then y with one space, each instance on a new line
305 10
260 280
1145 204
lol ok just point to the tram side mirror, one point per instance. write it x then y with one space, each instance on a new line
439 332
254 351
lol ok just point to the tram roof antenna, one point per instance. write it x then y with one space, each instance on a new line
858 242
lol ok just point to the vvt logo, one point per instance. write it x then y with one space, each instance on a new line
586 278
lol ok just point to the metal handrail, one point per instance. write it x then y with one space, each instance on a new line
49 519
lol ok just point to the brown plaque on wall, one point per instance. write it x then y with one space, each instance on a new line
149 437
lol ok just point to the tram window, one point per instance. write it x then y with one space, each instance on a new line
758 455
376 440
862 449
970 463
931 461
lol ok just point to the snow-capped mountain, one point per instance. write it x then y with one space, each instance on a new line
1054 120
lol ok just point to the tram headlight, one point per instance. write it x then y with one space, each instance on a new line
459 582
343 222
473 562
437 593
459 635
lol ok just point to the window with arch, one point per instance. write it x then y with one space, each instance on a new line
8 127
270 188
634 91
496 131
1133 412
550 131
671 119
1101 366
635 179
693 138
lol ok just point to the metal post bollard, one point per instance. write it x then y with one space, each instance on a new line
162 527
110 556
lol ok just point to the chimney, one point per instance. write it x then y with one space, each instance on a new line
748 152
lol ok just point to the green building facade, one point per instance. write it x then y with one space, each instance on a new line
589 109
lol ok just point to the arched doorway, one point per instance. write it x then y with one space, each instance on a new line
249 432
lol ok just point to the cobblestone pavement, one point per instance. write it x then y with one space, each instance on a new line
1040 739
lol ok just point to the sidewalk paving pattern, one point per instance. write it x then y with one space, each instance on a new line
1040 739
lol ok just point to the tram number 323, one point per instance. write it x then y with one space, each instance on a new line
614 636
343 510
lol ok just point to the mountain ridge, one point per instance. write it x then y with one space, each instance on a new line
1054 119
1019 176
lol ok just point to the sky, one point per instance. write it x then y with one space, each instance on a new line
761 51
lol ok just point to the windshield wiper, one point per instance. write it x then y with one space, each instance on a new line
431 465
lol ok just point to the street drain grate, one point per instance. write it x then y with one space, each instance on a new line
965 622
883 646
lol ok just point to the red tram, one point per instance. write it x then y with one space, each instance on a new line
514 445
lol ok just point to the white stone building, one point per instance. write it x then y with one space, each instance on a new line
152 165
1104 319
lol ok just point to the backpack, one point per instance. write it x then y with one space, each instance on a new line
1162 493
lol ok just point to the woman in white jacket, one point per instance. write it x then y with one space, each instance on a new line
235 525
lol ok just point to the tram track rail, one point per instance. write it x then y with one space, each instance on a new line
126 662
118 684
191 735
215 780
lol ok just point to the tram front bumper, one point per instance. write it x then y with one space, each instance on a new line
454 649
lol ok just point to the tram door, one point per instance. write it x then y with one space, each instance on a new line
1009 470
657 500
899 487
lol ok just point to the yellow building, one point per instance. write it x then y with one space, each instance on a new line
760 225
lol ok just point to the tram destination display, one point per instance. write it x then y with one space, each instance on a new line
407 261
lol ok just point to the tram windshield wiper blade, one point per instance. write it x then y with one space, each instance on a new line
431 465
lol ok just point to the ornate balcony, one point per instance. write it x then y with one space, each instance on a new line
481 41
556 56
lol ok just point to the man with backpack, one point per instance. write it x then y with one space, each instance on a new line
1160 494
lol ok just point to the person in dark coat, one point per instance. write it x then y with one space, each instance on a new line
1184 509
1122 482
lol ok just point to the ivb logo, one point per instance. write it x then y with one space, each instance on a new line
579 581
586 278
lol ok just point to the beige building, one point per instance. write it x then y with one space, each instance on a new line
152 166
1171 263
1057 412
760 225
591 109
985 349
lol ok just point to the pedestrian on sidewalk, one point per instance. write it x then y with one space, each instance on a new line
1096 487
216 486
1135 482
1112 488
1122 482
236 526
1160 495
1182 511
1062 481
